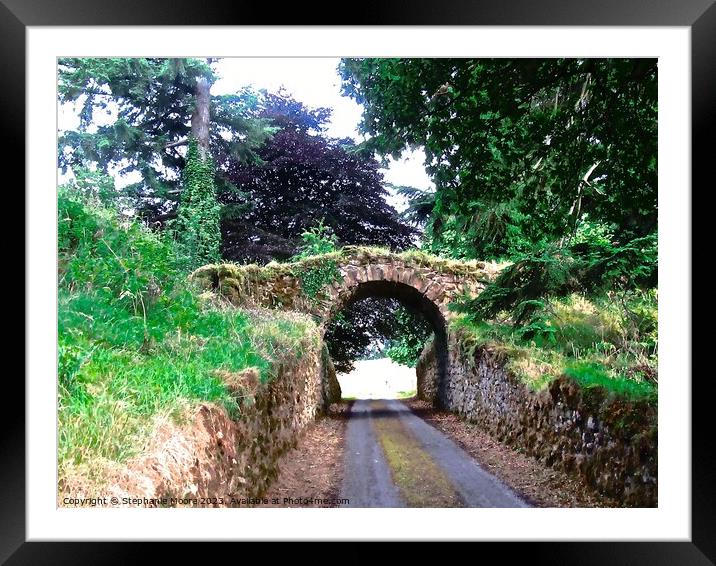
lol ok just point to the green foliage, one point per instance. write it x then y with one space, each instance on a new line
519 286
196 227
615 333
538 322
93 185
318 241
124 264
409 333
148 102
135 116
135 341
373 328
591 265
578 325
316 277
519 149
618 266
420 204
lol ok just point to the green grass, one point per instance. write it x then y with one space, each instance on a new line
112 391
592 341
136 342
591 374
422 482
407 394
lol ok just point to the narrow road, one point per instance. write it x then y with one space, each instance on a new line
393 458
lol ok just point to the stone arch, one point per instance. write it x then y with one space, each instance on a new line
420 281
279 285
427 287
410 297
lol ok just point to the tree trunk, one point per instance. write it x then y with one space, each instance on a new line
200 118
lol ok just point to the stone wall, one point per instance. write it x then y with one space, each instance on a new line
214 456
608 441
331 386
427 373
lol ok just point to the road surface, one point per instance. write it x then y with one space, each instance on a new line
393 458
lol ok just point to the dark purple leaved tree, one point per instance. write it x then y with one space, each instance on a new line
305 177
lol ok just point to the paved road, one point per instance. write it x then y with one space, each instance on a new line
367 475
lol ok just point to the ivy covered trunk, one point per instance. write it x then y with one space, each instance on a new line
197 226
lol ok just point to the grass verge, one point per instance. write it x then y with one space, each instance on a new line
137 344
407 394
596 342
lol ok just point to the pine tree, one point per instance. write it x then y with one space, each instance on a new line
136 117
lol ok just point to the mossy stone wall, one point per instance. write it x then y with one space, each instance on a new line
607 440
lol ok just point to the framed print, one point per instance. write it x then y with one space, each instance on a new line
476 198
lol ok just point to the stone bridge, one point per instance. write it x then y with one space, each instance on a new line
324 285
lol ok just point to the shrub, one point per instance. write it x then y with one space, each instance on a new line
318 241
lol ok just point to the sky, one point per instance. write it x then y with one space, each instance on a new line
315 82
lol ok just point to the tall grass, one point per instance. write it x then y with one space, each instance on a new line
601 341
135 341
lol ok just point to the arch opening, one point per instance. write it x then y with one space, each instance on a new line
413 301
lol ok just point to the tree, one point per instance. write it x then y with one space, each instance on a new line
147 108
521 150
408 334
376 323
421 204
303 177
309 185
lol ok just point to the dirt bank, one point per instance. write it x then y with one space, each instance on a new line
310 475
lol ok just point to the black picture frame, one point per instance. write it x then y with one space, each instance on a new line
699 15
